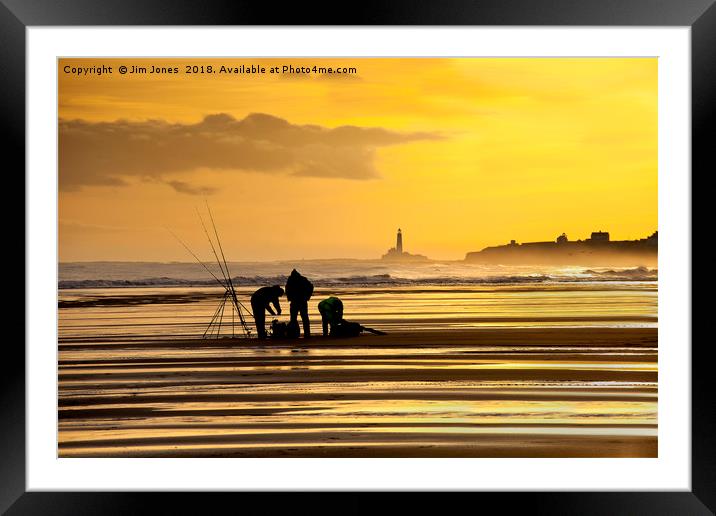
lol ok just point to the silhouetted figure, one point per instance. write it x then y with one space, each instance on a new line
292 330
298 291
352 329
331 310
347 329
261 301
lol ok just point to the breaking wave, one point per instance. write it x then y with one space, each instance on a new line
374 280
635 273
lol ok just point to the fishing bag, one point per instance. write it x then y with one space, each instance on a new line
282 330
278 329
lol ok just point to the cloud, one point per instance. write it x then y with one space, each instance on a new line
108 153
182 187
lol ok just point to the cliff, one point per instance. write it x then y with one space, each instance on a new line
596 251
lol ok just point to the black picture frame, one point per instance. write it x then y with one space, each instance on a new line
17 15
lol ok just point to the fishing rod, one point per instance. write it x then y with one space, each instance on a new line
372 330
215 316
213 249
196 257
227 283
226 266
225 269
220 308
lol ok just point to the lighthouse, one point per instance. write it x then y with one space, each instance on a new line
397 254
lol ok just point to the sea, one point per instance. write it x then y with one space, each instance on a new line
148 299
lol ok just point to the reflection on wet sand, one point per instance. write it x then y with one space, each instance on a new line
129 387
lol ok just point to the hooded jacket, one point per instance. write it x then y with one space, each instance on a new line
298 288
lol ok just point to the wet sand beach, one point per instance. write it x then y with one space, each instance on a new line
473 392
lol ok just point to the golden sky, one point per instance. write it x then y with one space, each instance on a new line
460 153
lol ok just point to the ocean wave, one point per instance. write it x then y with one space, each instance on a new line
638 274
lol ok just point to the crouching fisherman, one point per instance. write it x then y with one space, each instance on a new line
331 310
261 302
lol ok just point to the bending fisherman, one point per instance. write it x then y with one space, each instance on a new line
261 302
331 310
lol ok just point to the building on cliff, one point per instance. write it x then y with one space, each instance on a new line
596 250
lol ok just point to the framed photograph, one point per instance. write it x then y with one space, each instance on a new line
415 250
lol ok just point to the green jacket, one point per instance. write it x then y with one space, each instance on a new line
331 309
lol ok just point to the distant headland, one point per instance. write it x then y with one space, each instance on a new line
396 254
596 250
